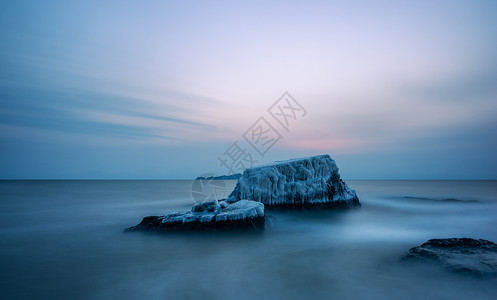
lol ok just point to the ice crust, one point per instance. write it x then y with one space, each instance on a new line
212 211
301 181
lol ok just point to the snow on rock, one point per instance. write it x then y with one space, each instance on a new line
462 255
296 183
243 214
206 206
243 209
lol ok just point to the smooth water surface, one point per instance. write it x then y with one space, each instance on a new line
65 239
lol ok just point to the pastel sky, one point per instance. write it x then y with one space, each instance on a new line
161 89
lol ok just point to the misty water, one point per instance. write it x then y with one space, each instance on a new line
65 239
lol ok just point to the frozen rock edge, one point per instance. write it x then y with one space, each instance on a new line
210 215
461 255
312 182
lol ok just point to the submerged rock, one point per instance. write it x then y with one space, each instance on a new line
477 257
209 215
222 177
297 183
443 200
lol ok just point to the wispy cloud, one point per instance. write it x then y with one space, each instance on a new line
98 113
376 77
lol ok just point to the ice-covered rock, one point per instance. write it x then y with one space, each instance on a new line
463 255
296 183
243 214
206 206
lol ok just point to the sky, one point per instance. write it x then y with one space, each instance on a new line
165 89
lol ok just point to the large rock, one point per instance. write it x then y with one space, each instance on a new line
297 183
465 255
243 214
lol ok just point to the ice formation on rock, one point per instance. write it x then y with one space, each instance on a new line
243 214
296 183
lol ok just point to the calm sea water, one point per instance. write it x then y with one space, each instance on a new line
65 239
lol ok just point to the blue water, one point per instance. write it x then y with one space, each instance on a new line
65 239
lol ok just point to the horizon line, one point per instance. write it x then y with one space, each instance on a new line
190 179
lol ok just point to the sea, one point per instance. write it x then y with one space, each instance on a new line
65 240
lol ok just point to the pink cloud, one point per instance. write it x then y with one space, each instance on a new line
324 144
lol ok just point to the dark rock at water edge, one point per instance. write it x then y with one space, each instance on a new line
154 223
337 204
464 255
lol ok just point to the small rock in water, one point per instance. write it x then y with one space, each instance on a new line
465 255
209 215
